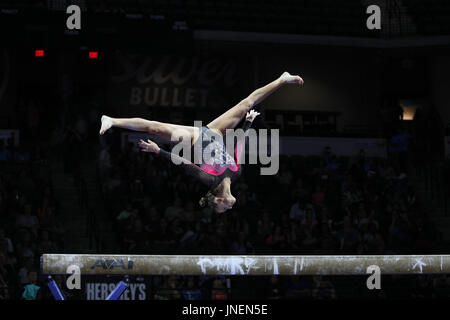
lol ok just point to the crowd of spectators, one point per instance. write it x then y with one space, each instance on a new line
315 205
29 220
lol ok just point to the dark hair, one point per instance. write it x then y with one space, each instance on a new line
207 200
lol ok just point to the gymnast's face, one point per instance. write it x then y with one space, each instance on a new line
224 200
224 203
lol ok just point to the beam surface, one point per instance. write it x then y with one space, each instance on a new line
243 265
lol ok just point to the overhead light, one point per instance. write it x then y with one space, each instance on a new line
409 112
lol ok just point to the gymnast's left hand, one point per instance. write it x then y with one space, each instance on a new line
148 146
251 115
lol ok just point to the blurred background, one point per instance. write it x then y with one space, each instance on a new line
365 143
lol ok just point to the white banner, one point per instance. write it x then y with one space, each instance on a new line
100 291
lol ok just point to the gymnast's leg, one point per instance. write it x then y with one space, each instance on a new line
233 116
161 129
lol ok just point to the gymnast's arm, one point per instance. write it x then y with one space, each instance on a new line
187 166
251 115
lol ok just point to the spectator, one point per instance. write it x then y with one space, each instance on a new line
169 290
323 289
298 210
318 196
137 238
8 248
348 237
25 270
276 240
192 292
242 246
27 220
174 211
297 288
218 290
31 289
5 155
46 245
274 290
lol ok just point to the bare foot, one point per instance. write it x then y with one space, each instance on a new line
288 78
106 124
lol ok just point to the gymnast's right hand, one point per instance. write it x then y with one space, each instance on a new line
251 115
148 146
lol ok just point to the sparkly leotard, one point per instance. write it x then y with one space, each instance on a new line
220 165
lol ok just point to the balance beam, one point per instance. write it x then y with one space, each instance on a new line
102 264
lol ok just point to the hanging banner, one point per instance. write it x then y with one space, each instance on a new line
142 82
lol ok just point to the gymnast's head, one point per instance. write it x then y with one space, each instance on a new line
220 198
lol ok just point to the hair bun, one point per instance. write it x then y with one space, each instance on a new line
207 200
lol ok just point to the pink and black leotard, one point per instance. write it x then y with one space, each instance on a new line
222 165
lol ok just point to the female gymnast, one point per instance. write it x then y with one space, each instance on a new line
223 169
